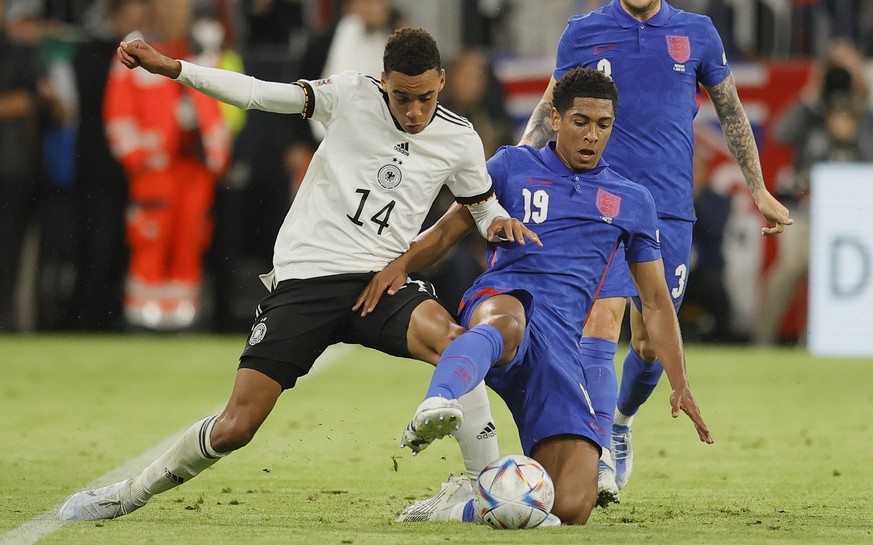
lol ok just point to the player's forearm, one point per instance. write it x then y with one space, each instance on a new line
539 127
663 328
737 131
433 244
660 320
241 90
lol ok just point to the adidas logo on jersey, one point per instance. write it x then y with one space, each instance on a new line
403 148
489 431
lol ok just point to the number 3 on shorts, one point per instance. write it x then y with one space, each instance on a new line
682 274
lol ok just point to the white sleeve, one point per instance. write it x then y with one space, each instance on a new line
470 182
334 94
486 212
472 186
245 91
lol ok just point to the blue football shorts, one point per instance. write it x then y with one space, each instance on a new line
675 251
544 386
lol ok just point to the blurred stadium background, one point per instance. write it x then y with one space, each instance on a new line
499 54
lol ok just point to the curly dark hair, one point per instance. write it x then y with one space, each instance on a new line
411 51
582 82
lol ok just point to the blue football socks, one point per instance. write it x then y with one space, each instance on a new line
465 362
638 380
598 360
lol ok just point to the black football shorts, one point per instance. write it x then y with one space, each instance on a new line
299 319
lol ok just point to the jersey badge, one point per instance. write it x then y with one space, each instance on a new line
325 81
608 204
258 334
403 148
389 176
679 48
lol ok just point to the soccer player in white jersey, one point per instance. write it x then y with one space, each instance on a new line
388 149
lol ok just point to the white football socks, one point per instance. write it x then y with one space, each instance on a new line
477 436
190 455
606 457
620 419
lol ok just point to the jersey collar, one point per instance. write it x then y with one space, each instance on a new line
554 163
626 21
397 125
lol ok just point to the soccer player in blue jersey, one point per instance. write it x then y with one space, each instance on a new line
658 57
525 313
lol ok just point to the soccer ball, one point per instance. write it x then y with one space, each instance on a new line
514 492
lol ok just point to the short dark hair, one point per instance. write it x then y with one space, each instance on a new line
583 82
411 51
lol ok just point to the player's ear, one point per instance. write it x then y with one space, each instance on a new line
555 117
383 79
442 78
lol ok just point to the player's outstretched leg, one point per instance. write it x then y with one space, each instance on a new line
190 455
435 418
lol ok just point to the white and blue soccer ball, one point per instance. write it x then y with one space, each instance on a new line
514 492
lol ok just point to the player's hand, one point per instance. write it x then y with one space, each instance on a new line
390 280
682 400
511 229
138 53
776 214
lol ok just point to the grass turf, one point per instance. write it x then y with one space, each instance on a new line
792 461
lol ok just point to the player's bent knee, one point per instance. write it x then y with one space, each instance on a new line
453 331
231 434
431 329
574 508
645 349
512 330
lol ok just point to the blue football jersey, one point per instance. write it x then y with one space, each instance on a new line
658 67
580 217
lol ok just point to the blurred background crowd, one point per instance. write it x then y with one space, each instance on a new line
128 202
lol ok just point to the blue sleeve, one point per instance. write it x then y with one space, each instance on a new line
643 243
714 67
565 58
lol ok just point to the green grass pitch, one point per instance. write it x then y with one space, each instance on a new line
792 462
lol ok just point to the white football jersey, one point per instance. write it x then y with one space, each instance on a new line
370 184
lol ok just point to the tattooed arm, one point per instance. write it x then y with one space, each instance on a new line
539 127
741 141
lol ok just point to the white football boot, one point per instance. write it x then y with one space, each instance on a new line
447 505
108 502
435 418
623 450
550 522
607 489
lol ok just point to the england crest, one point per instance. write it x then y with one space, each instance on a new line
608 204
679 48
